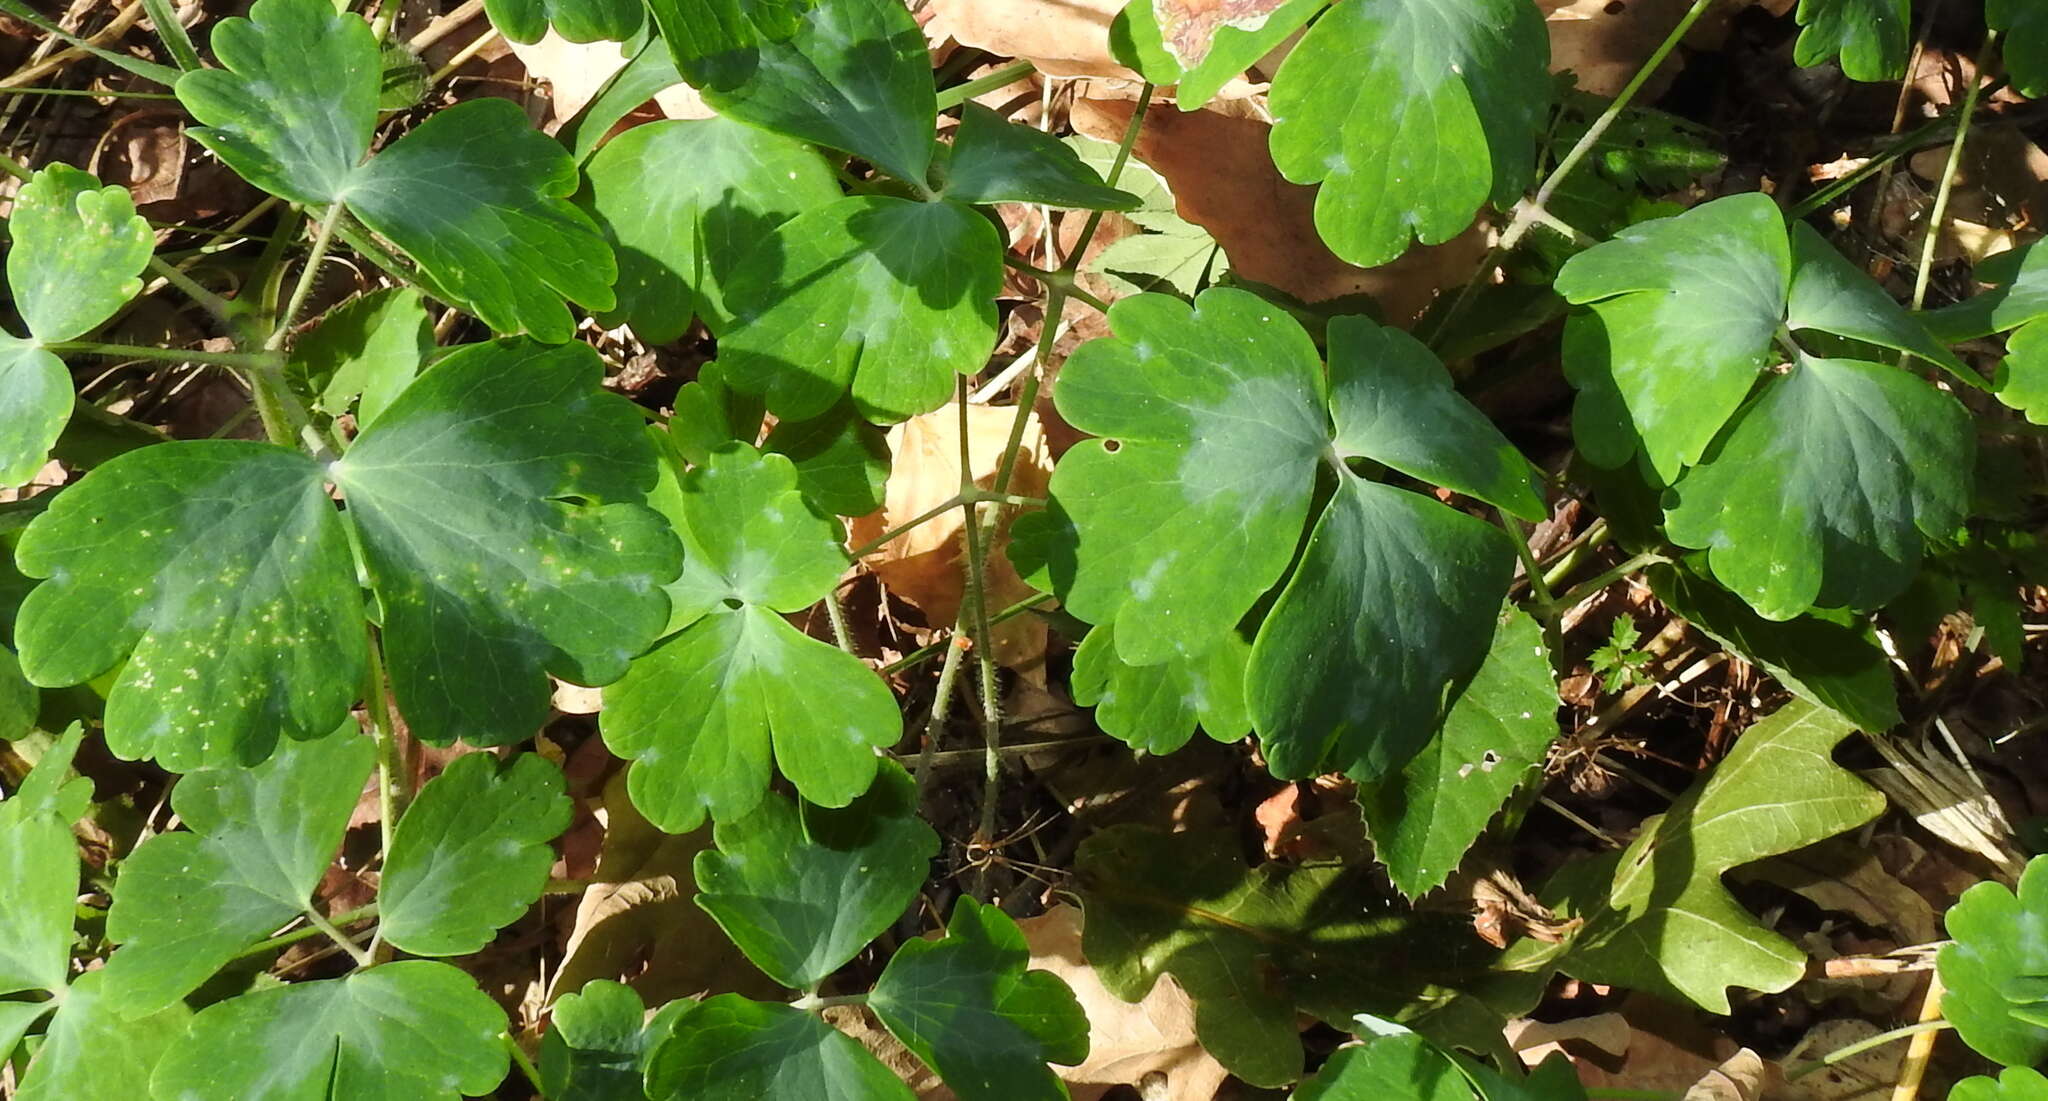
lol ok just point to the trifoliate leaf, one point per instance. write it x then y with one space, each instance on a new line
884 296
573 20
77 252
850 75
1424 818
1199 48
471 854
1657 916
1404 1065
683 202
2012 1084
294 108
413 1029
1412 114
1863 459
842 461
365 353
2001 939
993 160
802 890
257 841
699 713
592 1048
479 198
727 1048
1871 37
2025 47
95 1047
492 502
1155 708
39 864
1254 946
968 1006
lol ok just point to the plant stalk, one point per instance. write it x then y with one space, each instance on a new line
958 94
1936 217
1865 1044
361 957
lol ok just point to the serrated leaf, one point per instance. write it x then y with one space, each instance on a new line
699 713
574 20
1871 37
493 504
1155 708
39 864
727 1048
969 1007
259 839
884 297
1255 946
412 1029
1424 818
1405 1066
77 252
2012 1084
1659 919
471 854
993 160
2000 936
365 352
96 1048
2025 47
592 1048
682 203
1864 460
851 75
1412 114
801 890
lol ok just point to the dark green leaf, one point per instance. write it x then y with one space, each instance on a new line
2026 42
842 461
592 1048
995 161
1872 37
1830 295
968 1007
574 20
18 699
727 1048
471 854
365 352
2018 295
1155 708
649 70
97 1048
1999 936
1403 1065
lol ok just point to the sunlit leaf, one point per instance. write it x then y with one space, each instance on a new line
1871 37
1155 708
993 160
574 20
728 1048
39 864
95 1047
2000 936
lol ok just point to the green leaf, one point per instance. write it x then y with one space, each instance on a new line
412 1029
39 864
850 75
1662 921
16 1018
479 198
471 854
2018 295
77 252
2023 374
1862 459
1155 708
259 840
1404 1065
993 160
1412 114
1829 295
727 1048
1255 946
574 20
1999 936
96 1048
1423 818
2012 1084
35 404
2025 47
365 352
295 107
1872 37
18 699
592 1048
1393 403
699 713
842 461
1835 665
884 296
968 1007
801 890
682 203
1206 47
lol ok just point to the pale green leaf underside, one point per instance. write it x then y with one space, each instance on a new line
1412 114
2023 375
1871 37
886 298
1209 48
727 1048
365 352
1999 936
471 854
95 1048
1156 708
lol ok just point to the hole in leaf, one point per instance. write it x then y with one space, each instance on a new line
734 603
1112 446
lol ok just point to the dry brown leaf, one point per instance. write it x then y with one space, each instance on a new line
575 71
1865 1076
1151 1042
1847 878
1535 1041
1059 37
927 566
859 1023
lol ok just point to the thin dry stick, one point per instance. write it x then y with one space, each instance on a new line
1922 1048
127 18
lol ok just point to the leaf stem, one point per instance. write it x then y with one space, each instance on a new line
377 701
837 616
248 361
1600 581
811 1003
361 957
975 611
305 932
1936 217
1063 279
524 1062
924 653
958 94
900 530
323 236
1865 1044
176 42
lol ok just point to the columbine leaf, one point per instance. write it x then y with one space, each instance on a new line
2025 48
2012 1084
968 1007
2000 937
18 698
1872 37
2018 295
365 353
1658 918
414 1029
1412 114
39 864
1155 708
479 198
1828 294
294 110
95 1047
852 74
727 1048
842 461
259 839
1864 459
574 20
683 202
35 404
592 1048
801 890
77 252
1404 1065
2023 374
1199 48
699 713
1424 818
487 575
993 160
471 854
884 296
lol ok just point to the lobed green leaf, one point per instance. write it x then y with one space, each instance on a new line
728 1048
